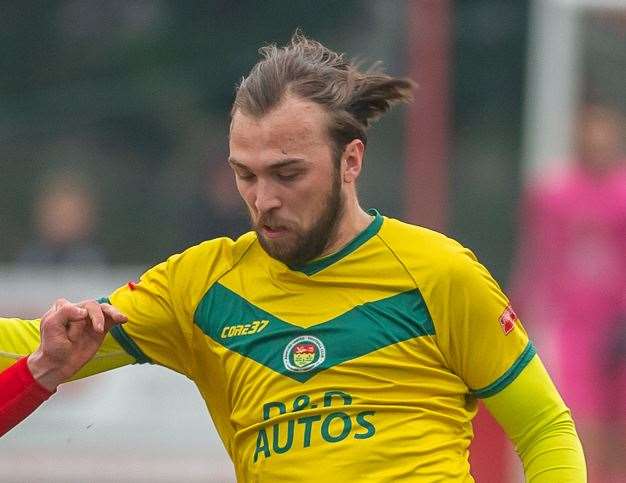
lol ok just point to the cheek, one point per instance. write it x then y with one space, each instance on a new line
310 204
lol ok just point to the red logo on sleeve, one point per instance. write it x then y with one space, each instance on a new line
507 320
132 285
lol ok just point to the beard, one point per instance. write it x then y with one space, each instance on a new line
307 245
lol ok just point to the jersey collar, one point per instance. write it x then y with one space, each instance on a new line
315 266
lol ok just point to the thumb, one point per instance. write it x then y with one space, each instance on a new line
115 316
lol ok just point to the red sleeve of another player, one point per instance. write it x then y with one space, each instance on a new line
20 395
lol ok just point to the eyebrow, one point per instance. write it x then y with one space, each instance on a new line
281 163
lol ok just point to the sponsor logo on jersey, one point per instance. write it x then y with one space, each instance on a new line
304 353
253 327
311 420
507 320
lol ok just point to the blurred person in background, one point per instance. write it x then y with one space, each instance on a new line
331 342
70 336
570 282
65 218
217 209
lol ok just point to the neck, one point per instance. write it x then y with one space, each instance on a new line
352 222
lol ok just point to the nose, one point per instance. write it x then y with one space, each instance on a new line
266 198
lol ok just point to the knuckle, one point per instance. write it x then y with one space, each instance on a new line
61 302
65 309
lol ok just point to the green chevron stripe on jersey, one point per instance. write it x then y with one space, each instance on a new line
125 341
264 338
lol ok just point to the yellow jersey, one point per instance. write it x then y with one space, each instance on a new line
364 365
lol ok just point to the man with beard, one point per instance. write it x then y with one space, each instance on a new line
332 343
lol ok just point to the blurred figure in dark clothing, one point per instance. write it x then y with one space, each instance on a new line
218 210
64 219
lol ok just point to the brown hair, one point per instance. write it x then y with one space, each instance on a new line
311 71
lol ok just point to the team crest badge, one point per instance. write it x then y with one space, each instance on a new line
507 320
304 353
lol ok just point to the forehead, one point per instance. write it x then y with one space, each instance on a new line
294 128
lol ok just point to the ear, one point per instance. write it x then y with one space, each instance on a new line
352 161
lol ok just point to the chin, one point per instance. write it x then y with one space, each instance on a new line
290 254
280 250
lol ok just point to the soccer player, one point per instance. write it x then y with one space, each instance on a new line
332 343
70 336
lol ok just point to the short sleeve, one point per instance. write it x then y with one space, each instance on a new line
156 330
160 306
480 334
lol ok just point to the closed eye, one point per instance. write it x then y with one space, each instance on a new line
287 176
244 175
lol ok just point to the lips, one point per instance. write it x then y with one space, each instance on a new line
273 231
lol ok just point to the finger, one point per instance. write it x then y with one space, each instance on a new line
58 303
109 323
115 315
95 314
48 313
69 310
63 314
76 328
73 312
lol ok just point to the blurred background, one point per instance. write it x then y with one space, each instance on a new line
113 125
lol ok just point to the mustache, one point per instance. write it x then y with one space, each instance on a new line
271 221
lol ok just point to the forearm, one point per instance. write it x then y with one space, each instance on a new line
532 413
20 395
556 455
